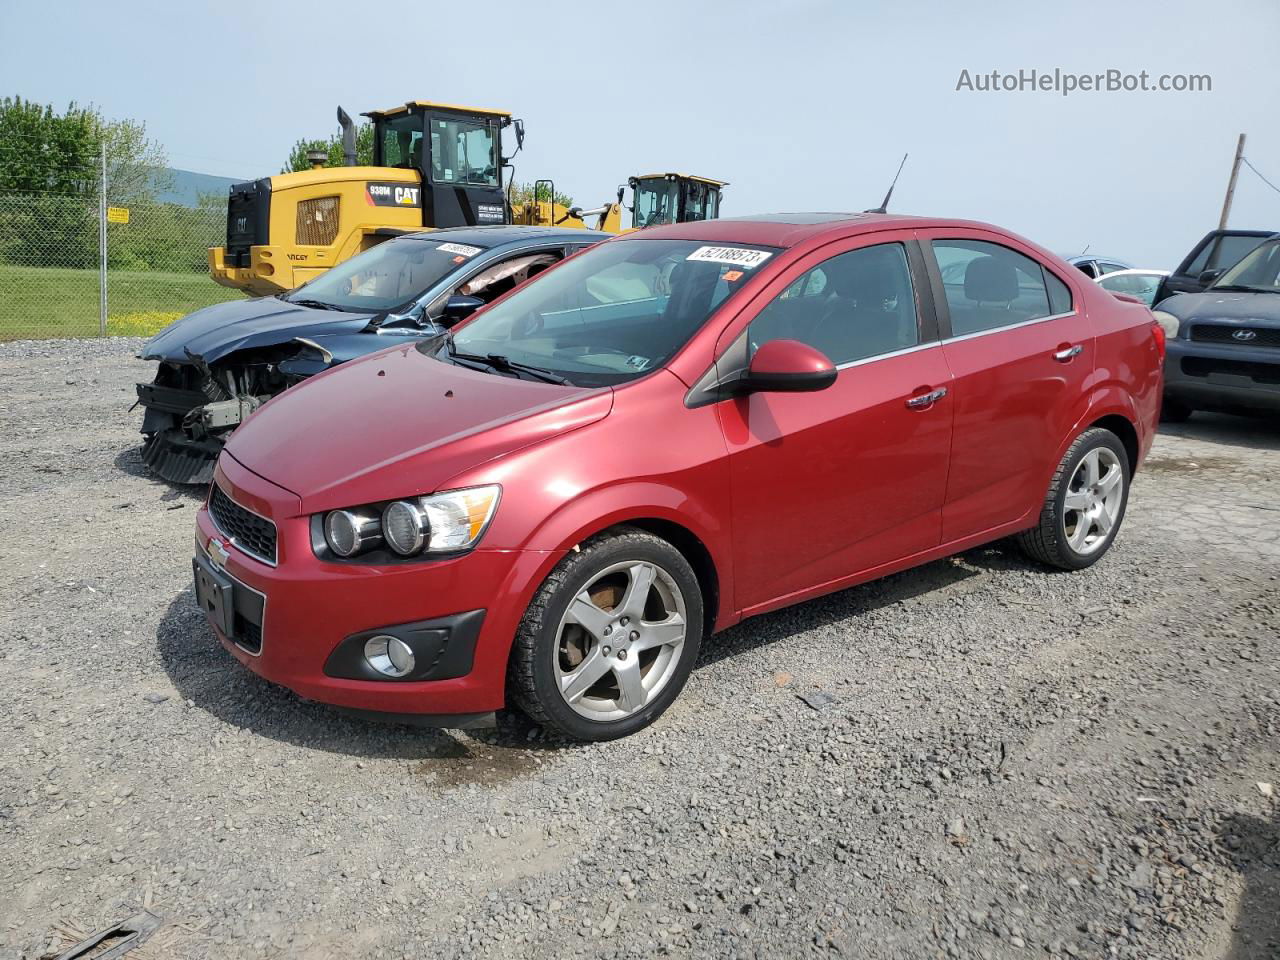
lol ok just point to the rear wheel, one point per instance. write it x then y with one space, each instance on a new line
1085 504
610 639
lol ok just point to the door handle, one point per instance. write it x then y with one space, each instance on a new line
926 399
1067 353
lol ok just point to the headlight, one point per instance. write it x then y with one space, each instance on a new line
405 527
349 531
458 518
440 523
1168 323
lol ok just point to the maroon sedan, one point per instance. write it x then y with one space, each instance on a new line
672 431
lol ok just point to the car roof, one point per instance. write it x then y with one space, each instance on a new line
500 234
1088 257
789 229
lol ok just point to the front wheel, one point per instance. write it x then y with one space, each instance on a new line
610 638
1084 505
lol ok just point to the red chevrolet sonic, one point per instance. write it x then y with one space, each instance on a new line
551 505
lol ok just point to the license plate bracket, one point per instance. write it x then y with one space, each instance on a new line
215 594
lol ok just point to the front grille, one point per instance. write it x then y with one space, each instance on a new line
1266 374
1223 333
317 222
253 534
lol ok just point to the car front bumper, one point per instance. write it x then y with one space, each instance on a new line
314 613
1222 376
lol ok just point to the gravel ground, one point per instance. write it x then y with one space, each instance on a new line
980 758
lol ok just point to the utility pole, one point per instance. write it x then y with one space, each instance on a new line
102 247
1231 184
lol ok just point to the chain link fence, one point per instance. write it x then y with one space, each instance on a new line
52 279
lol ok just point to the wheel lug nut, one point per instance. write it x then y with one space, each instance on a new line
608 630
624 621
622 654
607 651
635 634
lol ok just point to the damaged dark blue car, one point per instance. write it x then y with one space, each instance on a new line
219 364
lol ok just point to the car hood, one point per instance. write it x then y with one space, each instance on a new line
1260 309
399 423
222 329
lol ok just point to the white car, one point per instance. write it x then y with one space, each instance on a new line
1142 284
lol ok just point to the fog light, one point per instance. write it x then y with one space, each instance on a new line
390 656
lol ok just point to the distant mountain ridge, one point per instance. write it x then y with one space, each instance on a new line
189 185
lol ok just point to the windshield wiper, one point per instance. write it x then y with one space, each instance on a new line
318 304
496 361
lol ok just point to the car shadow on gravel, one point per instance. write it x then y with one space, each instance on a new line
1253 433
1253 844
129 461
814 614
212 680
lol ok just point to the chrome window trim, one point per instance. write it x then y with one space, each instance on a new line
1010 326
885 356
241 585
234 542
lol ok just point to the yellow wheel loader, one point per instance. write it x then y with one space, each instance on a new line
434 165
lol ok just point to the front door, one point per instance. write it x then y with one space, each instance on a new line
836 482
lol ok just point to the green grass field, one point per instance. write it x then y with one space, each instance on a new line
39 302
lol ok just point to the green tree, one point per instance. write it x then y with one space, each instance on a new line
48 153
333 146
522 193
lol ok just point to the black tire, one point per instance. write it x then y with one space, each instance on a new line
531 675
1047 541
1174 411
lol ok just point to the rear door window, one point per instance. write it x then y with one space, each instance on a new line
989 286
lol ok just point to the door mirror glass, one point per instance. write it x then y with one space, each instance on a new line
459 307
788 366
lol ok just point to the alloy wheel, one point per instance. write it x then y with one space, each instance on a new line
1093 502
619 641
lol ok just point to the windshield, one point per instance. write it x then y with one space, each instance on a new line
656 201
401 141
463 152
393 273
1260 270
612 313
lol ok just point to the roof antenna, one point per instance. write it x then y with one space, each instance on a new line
884 206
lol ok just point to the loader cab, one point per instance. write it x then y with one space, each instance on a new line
660 198
458 153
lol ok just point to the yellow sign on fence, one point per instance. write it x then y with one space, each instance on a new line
117 214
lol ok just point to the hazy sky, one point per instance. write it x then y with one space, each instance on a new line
802 106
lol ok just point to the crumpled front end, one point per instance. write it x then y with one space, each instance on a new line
192 408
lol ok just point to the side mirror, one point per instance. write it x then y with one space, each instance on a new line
458 308
1207 277
788 366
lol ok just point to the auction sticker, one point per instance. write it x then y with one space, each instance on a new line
734 256
459 248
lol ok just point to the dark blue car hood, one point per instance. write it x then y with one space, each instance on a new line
215 332
1261 309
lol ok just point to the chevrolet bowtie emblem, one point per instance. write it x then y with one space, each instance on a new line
218 553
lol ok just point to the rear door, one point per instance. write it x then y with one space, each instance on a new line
1021 354
828 484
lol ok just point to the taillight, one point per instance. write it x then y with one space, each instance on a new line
1158 333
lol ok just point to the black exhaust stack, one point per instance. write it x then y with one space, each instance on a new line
348 138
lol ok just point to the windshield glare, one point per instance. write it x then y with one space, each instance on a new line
393 273
1260 270
614 312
